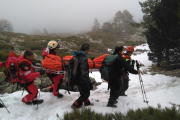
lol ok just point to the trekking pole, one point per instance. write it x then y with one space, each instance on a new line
141 84
38 100
67 85
39 94
5 106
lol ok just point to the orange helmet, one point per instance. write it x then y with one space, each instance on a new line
130 49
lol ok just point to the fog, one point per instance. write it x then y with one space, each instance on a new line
61 16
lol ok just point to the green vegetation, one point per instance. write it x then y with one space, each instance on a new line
6 46
148 113
36 43
110 40
161 20
4 55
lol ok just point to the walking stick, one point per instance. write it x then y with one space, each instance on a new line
39 94
141 84
5 106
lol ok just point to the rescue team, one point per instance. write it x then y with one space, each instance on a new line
118 75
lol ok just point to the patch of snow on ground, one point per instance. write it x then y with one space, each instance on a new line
159 89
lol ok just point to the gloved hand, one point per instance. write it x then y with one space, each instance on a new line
42 72
90 86
33 62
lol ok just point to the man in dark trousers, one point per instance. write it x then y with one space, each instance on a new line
115 76
83 81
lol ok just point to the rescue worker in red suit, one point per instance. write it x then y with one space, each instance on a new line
55 78
27 77
2 64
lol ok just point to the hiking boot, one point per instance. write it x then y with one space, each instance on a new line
123 94
116 102
75 105
34 102
87 103
29 103
1 106
60 95
111 105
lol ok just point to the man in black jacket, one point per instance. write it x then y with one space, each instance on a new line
115 76
83 81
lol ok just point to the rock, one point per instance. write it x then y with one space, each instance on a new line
38 58
46 82
2 77
45 89
10 89
37 82
93 81
99 83
4 85
75 88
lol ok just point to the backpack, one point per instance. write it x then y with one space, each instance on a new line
12 68
106 66
53 62
71 72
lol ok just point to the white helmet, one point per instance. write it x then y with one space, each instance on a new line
53 44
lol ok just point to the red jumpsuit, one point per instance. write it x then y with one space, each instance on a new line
26 79
2 64
55 78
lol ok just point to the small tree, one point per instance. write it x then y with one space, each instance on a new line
36 32
96 26
5 25
128 19
107 27
118 22
45 32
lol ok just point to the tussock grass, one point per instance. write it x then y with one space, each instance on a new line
149 113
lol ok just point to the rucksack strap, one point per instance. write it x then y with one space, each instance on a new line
63 64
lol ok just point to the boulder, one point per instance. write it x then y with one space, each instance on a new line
2 77
42 82
45 89
46 82
10 88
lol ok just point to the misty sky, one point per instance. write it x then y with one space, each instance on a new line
63 15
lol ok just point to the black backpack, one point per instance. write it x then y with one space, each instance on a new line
71 71
106 66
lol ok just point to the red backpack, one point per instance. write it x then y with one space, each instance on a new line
12 67
53 62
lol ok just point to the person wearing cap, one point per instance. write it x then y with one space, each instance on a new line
115 76
55 78
83 81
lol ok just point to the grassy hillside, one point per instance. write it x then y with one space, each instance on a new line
19 42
